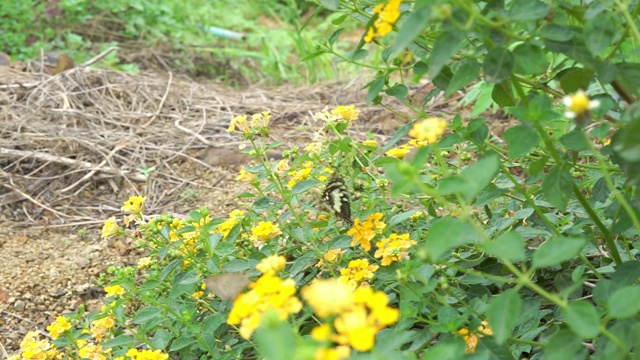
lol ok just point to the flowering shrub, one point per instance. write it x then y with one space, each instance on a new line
522 247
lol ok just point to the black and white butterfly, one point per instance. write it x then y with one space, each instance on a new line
335 197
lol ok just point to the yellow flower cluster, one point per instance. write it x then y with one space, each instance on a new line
59 326
134 204
472 339
427 131
331 257
370 143
399 152
357 272
339 114
393 248
88 350
299 175
32 348
136 354
364 232
110 227
359 314
145 262
115 290
259 124
271 264
246 176
388 14
269 292
100 327
233 220
265 231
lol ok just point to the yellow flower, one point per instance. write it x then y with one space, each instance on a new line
332 256
265 231
271 264
110 227
321 332
417 216
134 204
393 248
144 262
269 292
314 147
31 348
328 297
428 131
579 104
364 232
299 175
100 327
239 122
348 113
399 153
357 272
246 176
338 353
134 354
261 120
370 143
282 166
472 338
93 352
58 327
114 290
233 220
388 14
355 329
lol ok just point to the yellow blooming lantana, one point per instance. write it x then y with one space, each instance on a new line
144 262
357 272
338 353
271 264
239 124
233 220
32 348
349 113
393 248
370 143
364 232
110 227
328 297
428 131
332 256
265 231
299 175
136 354
269 292
246 176
388 14
472 338
134 204
399 153
114 290
58 327
100 327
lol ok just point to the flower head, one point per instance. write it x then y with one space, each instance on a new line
134 204
328 297
239 125
428 131
110 227
299 175
578 104
246 176
348 113
388 14
58 327
400 152
357 272
115 290
472 338
265 231
271 264
364 232
370 143
393 248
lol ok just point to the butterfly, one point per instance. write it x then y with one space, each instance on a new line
336 198
227 286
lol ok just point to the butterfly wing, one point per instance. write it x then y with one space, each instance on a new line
336 197
227 286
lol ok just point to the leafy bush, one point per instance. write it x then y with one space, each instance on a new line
461 242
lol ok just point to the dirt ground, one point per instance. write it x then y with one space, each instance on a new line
69 147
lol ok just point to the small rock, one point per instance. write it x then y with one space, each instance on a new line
19 305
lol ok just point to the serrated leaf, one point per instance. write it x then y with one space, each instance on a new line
583 318
575 141
502 93
182 342
411 27
557 187
509 246
498 64
502 314
446 44
398 91
374 88
467 71
600 32
564 345
624 303
522 10
530 59
521 140
556 250
449 233
601 190
576 79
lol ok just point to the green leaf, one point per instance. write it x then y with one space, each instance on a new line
447 44
502 93
556 250
161 339
467 71
420 68
576 79
600 32
564 345
509 246
375 87
575 141
521 140
498 65
335 35
629 76
443 79
397 219
479 175
147 314
583 318
182 342
502 314
449 233
411 27
275 338
530 59
522 10
557 187
330 4
125 341
626 142
624 303
398 91
601 190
